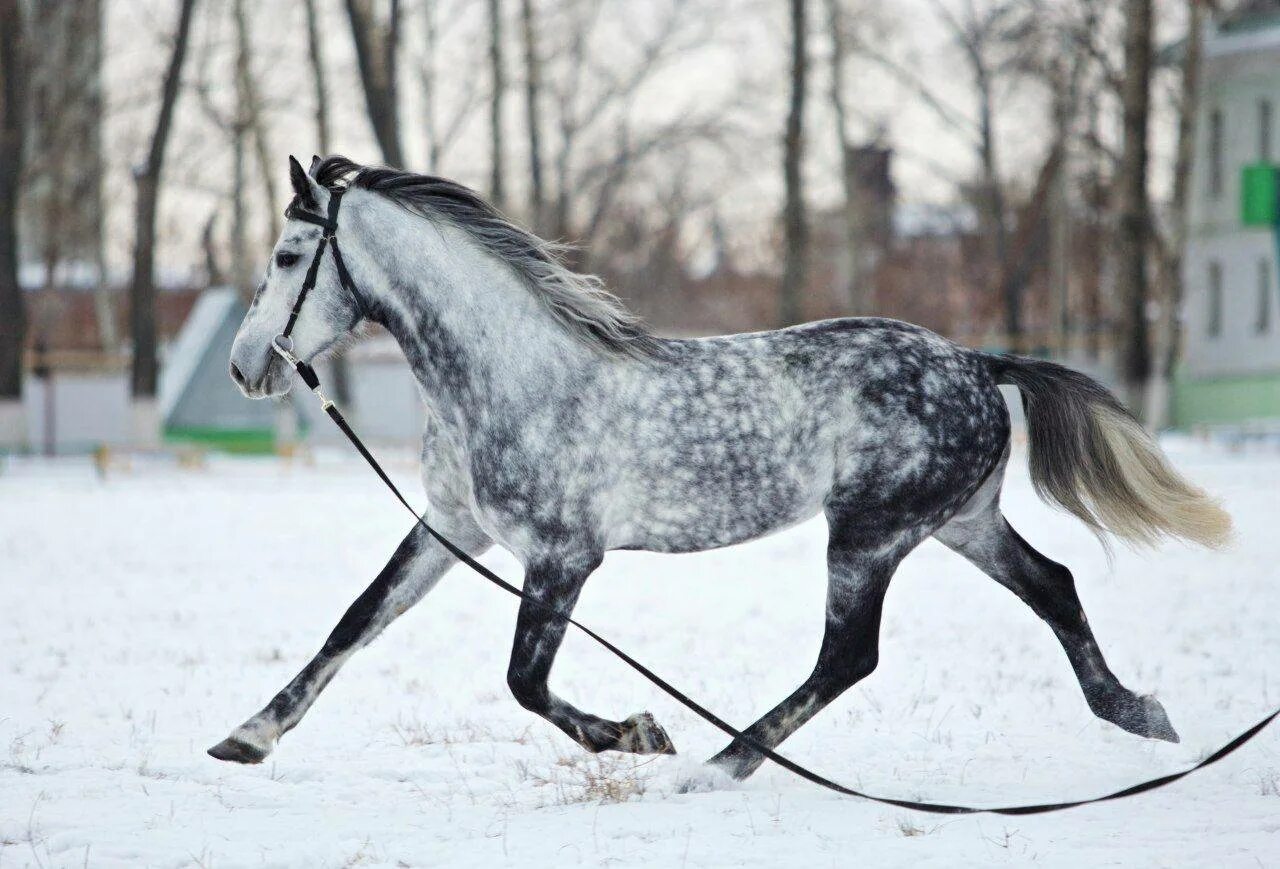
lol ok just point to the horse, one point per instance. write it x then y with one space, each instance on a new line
559 428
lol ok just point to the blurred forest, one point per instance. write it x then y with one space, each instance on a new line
1011 173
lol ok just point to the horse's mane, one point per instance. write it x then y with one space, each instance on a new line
579 302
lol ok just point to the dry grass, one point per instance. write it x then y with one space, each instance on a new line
589 778
414 732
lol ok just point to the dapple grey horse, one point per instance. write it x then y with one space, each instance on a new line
559 429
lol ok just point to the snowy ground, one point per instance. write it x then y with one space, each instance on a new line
144 616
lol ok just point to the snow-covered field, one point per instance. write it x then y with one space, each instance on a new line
143 616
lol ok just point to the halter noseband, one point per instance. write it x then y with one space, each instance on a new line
283 343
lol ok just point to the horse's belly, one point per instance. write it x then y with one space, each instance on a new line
697 508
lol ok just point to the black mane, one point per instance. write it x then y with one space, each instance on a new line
579 302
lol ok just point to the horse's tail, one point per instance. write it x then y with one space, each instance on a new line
1089 456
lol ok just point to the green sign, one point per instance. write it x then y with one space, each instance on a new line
1260 195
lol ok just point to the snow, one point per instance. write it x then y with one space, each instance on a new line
144 615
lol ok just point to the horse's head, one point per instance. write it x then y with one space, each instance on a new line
329 315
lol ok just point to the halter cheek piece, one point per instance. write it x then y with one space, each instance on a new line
283 343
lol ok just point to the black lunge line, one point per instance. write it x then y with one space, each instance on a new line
283 345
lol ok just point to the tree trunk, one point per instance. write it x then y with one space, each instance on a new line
240 268
993 210
13 134
533 116
142 293
1133 232
315 49
497 190
1095 240
315 52
1168 339
856 292
1059 214
428 78
104 297
376 49
794 222
252 116
212 271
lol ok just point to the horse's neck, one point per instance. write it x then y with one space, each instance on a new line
476 337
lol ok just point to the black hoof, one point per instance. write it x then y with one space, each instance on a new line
1158 725
1141 716
234 750
641 734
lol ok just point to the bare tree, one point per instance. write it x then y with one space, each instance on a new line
1096 196
570 121
795 225
856 292
1133 231
233 122
1043 48
13 317
1168 338
600 145
212 270
62 199
441 130
532 110
377 46
142 294
105 301
315 53
498 82
980 31
252 118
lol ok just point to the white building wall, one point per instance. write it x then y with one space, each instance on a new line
91 410
1242 71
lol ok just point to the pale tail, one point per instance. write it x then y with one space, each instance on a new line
1089 456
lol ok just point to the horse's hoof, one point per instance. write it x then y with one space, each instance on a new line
1139 715
238 751
641 734
1157 723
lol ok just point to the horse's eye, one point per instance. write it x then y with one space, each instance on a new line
284 259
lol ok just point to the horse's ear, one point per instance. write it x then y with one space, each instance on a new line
315 164
303 187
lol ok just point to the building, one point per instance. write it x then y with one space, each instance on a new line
1230 373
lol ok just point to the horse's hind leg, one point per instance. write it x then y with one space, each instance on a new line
985 538
858 577
413 570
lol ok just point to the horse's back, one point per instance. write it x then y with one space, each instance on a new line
743 435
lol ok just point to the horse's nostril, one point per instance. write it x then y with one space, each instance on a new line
236 374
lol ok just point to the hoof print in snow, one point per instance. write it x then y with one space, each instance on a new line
704 779
234 750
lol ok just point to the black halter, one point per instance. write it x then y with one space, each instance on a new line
283 343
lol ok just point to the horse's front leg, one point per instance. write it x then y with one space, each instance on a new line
414 570
554 583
